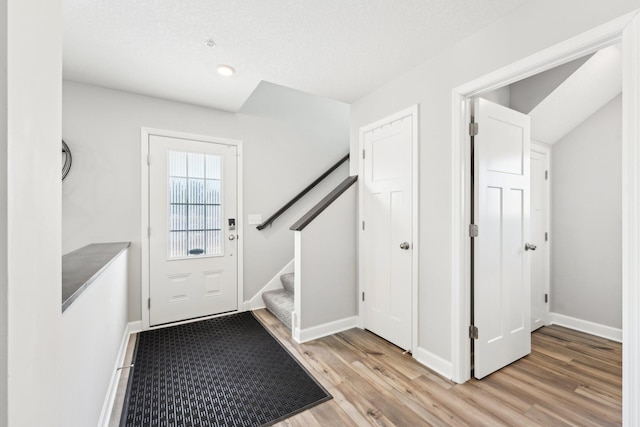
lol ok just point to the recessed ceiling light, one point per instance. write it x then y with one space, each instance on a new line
225 70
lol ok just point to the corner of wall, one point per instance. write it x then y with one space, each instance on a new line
434 362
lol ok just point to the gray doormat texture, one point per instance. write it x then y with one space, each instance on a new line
227 371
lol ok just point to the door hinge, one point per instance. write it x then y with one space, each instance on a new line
473 129
546 298
363 155
148 159
363 296
473 230
149 303
546 236
473 332
362 225
546 175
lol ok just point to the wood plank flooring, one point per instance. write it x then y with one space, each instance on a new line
569 379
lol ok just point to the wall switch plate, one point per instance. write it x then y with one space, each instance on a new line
255 219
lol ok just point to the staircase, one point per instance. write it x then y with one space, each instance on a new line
280 301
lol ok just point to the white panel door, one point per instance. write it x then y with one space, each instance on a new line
387 234
539 236
501 264
192 247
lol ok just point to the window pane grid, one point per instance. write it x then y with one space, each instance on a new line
195 204
195 219
196 229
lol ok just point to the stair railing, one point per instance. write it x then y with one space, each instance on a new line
324 203
301 194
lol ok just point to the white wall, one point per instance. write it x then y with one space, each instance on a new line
326 265
528 93
33 215
514 37
290 138
586 235
92 332
101 194
500 96
4 171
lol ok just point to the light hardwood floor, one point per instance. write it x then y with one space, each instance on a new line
569 379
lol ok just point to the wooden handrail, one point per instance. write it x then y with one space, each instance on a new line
324 203
301 194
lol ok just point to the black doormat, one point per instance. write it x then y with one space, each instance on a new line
227 371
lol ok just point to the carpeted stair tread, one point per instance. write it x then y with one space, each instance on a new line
287 282
280 303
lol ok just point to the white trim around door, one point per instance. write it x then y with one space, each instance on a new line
411 111
544 150
625 29
145 134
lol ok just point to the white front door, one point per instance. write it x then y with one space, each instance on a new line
192 214
539 235
501 212
387 230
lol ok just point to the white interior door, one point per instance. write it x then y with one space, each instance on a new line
501 264
539 235
192 246
387 234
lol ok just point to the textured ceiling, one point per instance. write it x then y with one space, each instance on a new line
341 49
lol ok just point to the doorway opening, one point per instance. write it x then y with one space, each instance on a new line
627 30
574 112
192 227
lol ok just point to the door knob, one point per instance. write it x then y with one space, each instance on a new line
405 246
529 247
232 237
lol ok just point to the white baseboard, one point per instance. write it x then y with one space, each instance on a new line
107 407
613 334
433 362
134 327
315 332
256 302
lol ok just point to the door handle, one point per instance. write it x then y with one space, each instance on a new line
232 237
529 247
405 246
